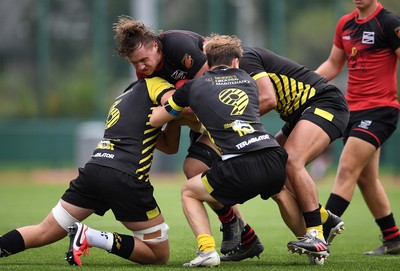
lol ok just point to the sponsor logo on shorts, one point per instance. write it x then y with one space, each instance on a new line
103 155
364 124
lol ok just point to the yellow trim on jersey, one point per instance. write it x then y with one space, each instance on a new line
206 184
259 75
139 170
155 86
291 94
322 113
147 158
154 137
153 213
149 148
151 129
173 105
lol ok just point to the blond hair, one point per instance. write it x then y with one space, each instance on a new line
222 49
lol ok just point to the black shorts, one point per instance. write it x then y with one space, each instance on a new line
203 153
373 125
241 178
103 188
328 110
193 136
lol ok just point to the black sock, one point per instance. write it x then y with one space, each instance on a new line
248 235
11 243
312 218
389 229
226 215
336 204
123 245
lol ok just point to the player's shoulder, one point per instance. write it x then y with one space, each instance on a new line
179 35
386 16
348 17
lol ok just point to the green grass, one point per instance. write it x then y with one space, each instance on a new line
26 202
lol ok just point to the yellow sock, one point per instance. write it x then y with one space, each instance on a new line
319 229
324 214
205 242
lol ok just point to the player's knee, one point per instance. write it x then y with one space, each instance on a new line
158 233
185 190
63 218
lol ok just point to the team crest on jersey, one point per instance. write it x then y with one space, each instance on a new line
353 51
368 37
187 61
397 30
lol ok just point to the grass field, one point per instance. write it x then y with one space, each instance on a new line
25 200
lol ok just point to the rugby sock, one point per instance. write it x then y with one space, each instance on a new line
205 242
389 229
100 239
11 243
313 221
123 245
336 204
324 214
226 215
248 235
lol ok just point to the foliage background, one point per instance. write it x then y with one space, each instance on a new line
59 69
58 60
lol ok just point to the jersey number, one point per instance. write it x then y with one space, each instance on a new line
113 115
236 98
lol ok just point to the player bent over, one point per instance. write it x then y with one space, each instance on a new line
225 99
116 178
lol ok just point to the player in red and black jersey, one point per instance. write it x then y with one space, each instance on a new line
181 57
176 55
369 40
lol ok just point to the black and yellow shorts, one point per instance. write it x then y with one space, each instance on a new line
203 153
102 188
241 178
328 110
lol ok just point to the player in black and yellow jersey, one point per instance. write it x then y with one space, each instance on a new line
177 55
252 162
316 114
116 178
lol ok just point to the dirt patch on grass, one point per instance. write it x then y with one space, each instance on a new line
56 176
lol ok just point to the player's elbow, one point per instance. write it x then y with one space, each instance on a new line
272 103
267 104
155 122
170 150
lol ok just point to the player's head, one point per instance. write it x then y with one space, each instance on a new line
138 44
223 50
365 4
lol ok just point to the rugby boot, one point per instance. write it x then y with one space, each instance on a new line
250 250
231 235
387 247
204 259
332 227
78 244
310 244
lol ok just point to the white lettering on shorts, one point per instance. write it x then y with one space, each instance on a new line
103 155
